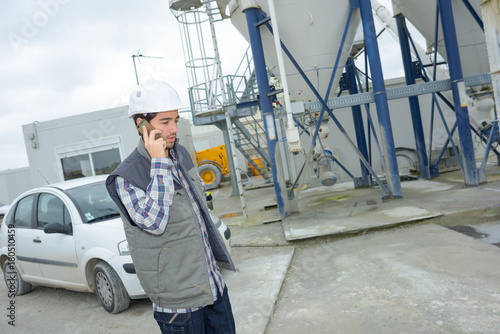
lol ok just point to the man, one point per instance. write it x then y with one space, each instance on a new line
173 242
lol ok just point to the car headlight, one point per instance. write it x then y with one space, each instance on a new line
123 248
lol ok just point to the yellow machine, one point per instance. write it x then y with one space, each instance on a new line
212 165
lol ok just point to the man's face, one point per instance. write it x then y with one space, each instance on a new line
166 122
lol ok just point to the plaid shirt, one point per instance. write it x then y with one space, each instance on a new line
150 210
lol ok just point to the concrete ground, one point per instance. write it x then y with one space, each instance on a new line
363 265
348 263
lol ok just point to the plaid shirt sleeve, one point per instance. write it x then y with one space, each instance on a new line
150 210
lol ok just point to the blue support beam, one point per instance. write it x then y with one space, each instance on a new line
386 193
357 119
416 117
252 17
334 72
383 187
457 86
372 50
474 14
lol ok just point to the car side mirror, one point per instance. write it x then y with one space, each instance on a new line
55 228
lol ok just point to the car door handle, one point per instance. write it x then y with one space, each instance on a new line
37 240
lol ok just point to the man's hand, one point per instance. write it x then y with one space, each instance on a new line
155 147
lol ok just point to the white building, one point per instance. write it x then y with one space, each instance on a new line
88 144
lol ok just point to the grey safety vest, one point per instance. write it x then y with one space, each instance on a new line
171 267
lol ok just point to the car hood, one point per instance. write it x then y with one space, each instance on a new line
112 223
108 231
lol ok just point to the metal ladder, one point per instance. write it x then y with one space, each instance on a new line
249 133
239 93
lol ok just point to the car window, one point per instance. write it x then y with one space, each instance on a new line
51 209
23 214
94 202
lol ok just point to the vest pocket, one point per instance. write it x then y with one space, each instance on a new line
181 208
182 273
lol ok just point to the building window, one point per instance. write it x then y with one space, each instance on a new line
76 166
90 164
105 161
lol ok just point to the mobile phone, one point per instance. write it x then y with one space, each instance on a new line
148 126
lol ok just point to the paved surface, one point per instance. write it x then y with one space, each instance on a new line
363 265
368 266
419 279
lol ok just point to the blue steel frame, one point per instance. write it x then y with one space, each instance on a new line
384 190
255 17
474 14
330 85
370 126
416 117
434 168
252 17
372 50
358 121
456 77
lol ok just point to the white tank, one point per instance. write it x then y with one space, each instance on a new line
471 40
312 31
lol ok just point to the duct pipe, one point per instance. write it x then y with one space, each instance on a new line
292 132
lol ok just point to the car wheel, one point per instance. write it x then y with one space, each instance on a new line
210 175
109 288
13 280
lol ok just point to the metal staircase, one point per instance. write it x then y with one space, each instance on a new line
249 133
250 141
215 96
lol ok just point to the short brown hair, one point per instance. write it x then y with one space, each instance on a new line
148 117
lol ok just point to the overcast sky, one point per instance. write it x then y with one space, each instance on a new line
67 57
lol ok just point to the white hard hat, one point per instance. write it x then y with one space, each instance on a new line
153 96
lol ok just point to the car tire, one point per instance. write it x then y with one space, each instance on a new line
210 175
13 280
109 288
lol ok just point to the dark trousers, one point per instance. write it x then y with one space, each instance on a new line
216 318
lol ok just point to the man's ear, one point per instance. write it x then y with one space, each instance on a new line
137 121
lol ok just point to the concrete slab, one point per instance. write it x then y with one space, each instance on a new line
254 289
328 211
266 235
348 221
416 279
452 198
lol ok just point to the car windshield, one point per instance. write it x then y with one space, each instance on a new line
94 202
